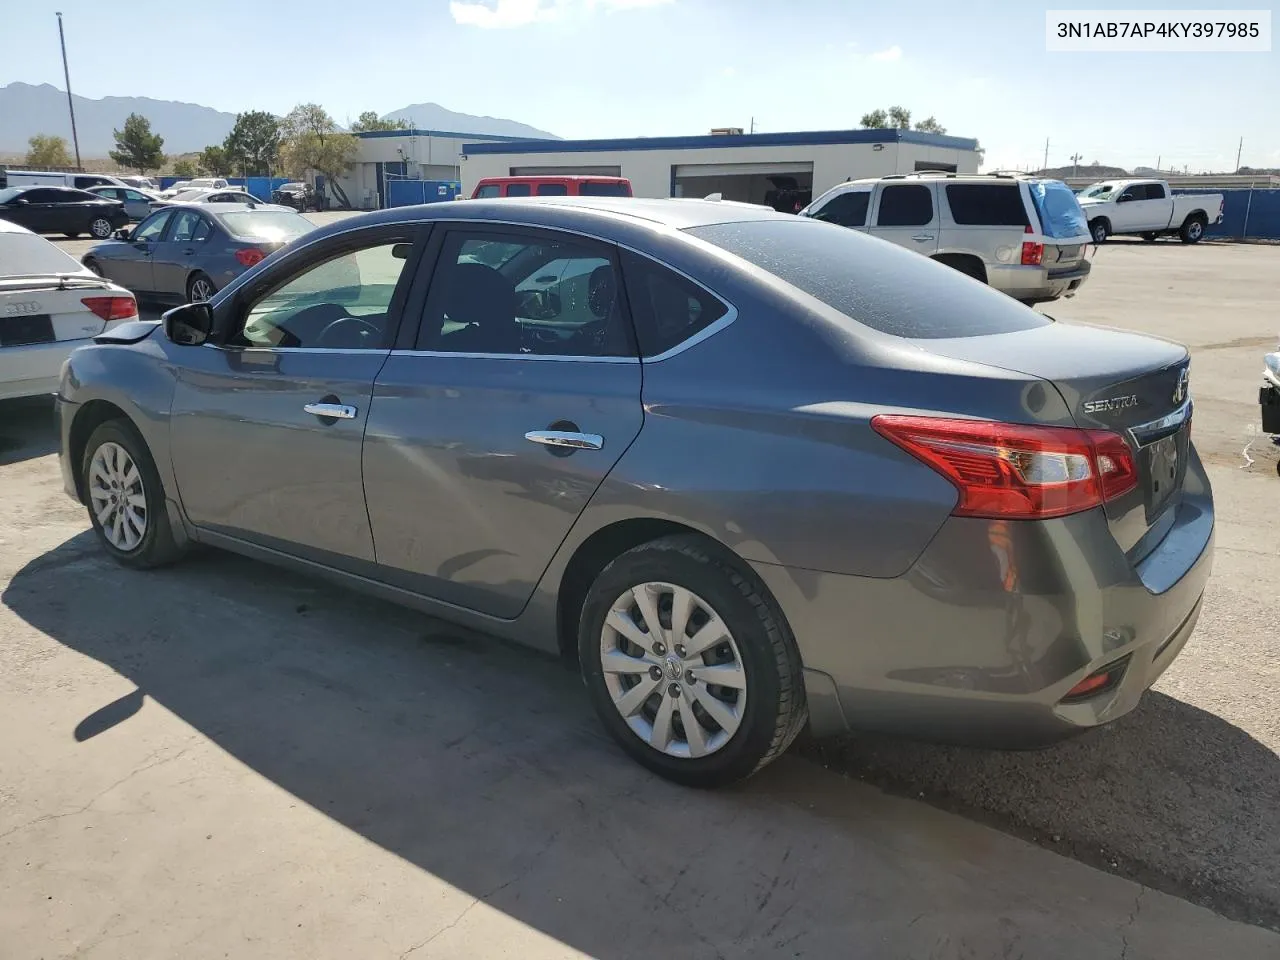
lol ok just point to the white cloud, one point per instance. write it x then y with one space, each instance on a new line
890 55
508 14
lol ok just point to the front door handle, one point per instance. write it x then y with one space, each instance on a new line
331 411
565 439
922 237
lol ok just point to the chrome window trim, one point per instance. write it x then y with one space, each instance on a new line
706 332
514 356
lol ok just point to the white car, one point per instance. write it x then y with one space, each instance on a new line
1147 208
228 195
49 305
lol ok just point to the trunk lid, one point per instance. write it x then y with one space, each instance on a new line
1133 385
48 309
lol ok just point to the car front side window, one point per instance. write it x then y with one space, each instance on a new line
151 228
341 303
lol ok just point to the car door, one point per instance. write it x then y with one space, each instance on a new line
498 416
267 425
1133 211
173 256
130 261
41 211
907 214
136 205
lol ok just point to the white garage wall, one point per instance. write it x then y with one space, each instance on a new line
650 170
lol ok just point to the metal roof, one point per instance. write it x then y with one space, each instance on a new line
719 141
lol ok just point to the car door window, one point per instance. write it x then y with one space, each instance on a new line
185 223
44 196
908 205
149 230
1136 192
845 209
131 195
525 295
517 189
341 303
1155 191
488 191
552 190
667 308
202 232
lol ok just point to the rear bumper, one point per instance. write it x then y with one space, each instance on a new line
33 371
980 641
1038 284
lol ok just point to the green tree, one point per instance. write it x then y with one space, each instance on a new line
930 125
184 168
875 120
47 150
371 121
214 161
310 140
253 145
900 118
137 148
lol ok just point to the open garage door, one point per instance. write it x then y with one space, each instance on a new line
783 185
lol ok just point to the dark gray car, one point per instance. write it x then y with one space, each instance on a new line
752 470
187 252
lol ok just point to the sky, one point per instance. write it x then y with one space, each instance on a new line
621 68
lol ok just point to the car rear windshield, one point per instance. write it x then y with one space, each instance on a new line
27 255
279 225
1060 215
8 193
594 188
878 284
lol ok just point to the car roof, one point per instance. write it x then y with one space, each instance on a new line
537 178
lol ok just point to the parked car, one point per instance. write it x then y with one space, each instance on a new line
1269 397
795 475
1148 208
972 222
551 186
198 183
299 196
61 210
140 183
231 195
137 204
49 304
188 252
47 178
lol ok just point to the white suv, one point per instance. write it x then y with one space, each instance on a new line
1024 236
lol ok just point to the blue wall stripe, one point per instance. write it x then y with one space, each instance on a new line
804 138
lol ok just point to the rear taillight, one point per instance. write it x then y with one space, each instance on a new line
112 308
1032 253
249 256
1016 471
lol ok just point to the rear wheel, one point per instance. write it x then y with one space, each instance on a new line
199 288
1192 230
100 227
125 497
689 664
1099 229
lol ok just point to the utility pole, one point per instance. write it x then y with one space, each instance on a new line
1075 165
1046 154
1239 150
1159 157
753 124
66 75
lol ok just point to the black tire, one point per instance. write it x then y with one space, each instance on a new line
157 546
100 228
194 286
1150 237
775 710
93 266
1099 229
1192 229
71 234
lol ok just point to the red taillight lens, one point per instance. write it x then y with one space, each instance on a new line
112 308
1017 471
1032 253
249 256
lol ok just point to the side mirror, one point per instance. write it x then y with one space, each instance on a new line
190 325
21 201
122 234
1123 198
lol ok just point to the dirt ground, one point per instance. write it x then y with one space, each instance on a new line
221 759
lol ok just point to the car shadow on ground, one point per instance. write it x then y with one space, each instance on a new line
27 429
481 763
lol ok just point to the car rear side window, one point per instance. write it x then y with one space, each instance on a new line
552 190
1155 191
987 204
846 209
666 307
908 205
880 285
518 190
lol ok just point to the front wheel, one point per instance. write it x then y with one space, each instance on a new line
1192 231
94 267
125 497
689 664
101 228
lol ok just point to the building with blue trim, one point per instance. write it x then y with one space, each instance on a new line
738 166
389 155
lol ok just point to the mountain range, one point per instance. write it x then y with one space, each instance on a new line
26 110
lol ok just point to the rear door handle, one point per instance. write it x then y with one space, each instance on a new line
566 440
922 237
331 411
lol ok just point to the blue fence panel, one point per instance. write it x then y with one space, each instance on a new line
1246 214
405 193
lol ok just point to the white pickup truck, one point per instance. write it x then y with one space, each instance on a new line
1147 208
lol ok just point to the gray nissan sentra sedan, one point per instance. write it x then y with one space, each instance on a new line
753 471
